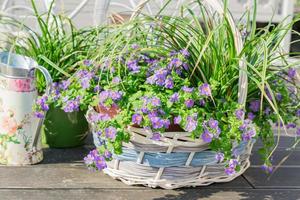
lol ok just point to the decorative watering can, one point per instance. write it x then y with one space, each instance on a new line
20 130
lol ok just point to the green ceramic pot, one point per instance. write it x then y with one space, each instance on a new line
65 130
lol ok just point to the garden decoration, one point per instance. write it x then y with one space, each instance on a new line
20 130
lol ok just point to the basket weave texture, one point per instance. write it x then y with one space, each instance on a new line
176 160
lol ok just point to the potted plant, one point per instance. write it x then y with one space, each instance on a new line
58 46
177 103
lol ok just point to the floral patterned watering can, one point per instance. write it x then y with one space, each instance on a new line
20 141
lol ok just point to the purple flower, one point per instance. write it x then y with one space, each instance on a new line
279 124
85 74
99 133
137 119
187 89
135 46
233 163
255 105
89 159
178 71
177 120
107 154
173 53
191 124
116 80
72 105
64 85
110 132
169 84
85 83
247 135
189 103
243 127
219 157
166 123
87 63
100 163
298 113
161 74
156 136
250 116
176 62
213 123
239 114
155 102
174 98
207 136
116 95
185 52
205 89
45 107
291 125
94 117
39 115
97 88
279 97
160 81
202 102
185 66
151 80
133 66
267 168
157 122
292 72
103 96
144 109
42 102
230 171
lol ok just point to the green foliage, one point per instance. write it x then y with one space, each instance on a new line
57 44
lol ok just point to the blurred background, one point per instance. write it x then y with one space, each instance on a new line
94 12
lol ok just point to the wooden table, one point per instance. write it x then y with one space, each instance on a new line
62 175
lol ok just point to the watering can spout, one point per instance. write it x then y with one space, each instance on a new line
18 93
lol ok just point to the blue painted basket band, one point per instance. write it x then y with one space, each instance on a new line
174 159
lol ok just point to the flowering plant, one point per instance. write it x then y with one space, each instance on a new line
170 87
167 74
70 95
156 94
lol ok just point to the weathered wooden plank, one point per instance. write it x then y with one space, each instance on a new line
74 155
284 177
115 194
284 143
58 176
55 176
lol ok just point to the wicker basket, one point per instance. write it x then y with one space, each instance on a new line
176 160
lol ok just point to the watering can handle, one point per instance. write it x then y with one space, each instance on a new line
47 92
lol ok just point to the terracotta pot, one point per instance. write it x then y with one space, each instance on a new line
112 111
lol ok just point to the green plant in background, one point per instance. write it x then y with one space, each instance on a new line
57 44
